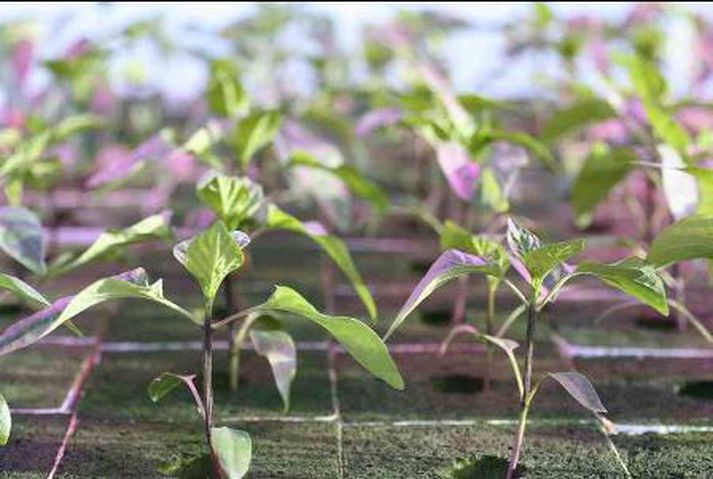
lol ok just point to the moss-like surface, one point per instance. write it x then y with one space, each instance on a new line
416 452
41 376
33 444
117 449
649 399
117 388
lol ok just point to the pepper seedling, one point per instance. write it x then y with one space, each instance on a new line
209 257
544 267
239 203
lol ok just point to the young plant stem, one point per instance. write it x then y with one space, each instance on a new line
679 294
526 399
232 353
490 330
208 381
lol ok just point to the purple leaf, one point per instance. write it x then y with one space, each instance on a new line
22 56
449 265
459 170
375 119
579 387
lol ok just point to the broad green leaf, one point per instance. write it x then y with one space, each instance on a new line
360 341
234 199
572 118
21 237
334 247
109 242
690 238
132 284
276 345
255 132
633 276
602 171
233 449
5 421
581 390
541 261
355 181
225 92
211 256
450 264
22 290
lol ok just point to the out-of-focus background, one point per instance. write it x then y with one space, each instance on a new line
473 50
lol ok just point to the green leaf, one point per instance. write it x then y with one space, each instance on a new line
132 284
360 341
5 421
255 132
355 181
704 177
211 256
521 240
22 290
164 384
583 112
633 276
541 261
581 390
233 199
109 242
491 192
225 93
276 345
233 450
690 238
651 86
21 237
334 247
450 265
453 236
603 170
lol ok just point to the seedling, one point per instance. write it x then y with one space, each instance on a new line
210 257
544 267
240 204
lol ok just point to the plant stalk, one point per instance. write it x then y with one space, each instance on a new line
490 330
208 382
516 449
229 308
679 294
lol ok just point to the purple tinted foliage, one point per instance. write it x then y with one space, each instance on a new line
22 56
609 131
447 264
11 117
376 119
461 173
104 102
315 228
199 219
696 119
79 48
114 162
